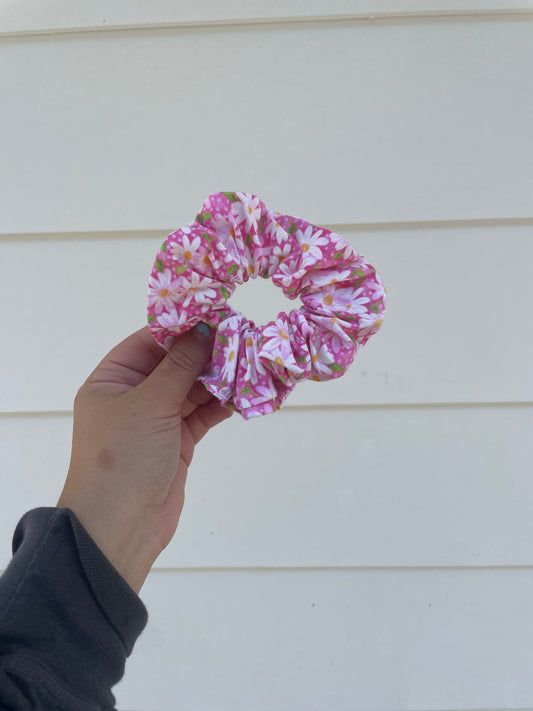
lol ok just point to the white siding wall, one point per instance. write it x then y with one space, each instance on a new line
380 555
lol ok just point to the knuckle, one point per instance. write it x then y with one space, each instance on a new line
184 359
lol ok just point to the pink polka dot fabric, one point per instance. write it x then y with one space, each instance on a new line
233 238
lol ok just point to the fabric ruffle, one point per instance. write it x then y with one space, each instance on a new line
233 238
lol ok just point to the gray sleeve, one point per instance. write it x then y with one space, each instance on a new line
68 620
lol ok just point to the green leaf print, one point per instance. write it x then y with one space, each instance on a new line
231 196
249 239
151 318
357 272
336 367
232 269
224 292
202 217
208 237
222 339
344 317
181 269
246 389
292 229
164 247
337 255
159 265
375 308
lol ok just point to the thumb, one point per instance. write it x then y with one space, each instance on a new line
175 375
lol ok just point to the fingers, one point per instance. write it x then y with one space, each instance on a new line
204 417
172 379
198 395
130 361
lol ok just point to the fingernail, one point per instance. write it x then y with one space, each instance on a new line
203 328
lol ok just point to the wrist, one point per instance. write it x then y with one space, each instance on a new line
124 538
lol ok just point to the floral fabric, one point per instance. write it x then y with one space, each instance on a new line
233 238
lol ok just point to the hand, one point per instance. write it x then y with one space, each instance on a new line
137 419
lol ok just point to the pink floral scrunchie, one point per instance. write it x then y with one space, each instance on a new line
233 238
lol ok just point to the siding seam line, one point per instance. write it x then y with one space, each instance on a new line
356 18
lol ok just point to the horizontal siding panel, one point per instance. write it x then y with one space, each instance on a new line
340 487
455 329
351 123
333 641
60 15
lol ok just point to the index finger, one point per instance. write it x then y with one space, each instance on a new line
132 360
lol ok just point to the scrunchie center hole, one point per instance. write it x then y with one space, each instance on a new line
261 301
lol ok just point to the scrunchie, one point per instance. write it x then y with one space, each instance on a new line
233 238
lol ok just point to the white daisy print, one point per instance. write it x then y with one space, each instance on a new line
310 244
279 345
218 257
339 298
347 250
187 249
247 209
254 265
275 230
163 291
264 394
226 234
323 277
288 269
278 256
254 367
197 288
335 276
354 300
336 344
173 319
231 352
321 359
368 325
376 286
185 230
339 340
250 361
